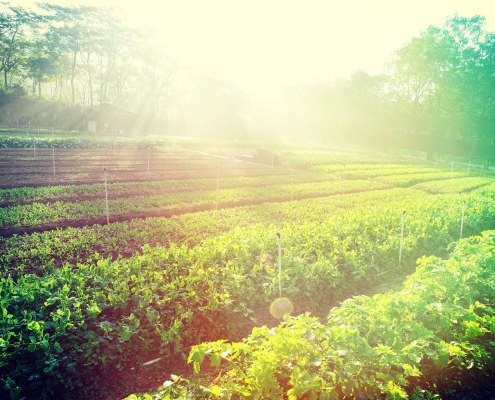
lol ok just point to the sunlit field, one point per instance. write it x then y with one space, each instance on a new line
247 200
129 266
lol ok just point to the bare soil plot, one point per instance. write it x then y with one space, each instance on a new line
19 167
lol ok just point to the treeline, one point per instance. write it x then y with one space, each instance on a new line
78 56
438 94
87 55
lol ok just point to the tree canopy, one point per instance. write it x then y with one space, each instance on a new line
440 84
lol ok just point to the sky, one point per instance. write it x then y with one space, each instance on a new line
264 44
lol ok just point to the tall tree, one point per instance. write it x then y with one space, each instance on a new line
15 23
444 81
72 30
117 53
348 108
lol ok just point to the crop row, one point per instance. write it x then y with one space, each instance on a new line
454 185
371 168
22 253
42 213
121 189
374 173
126 188
402 175
172 153
411 179
74 327
80 143
42 250
434 337
311 159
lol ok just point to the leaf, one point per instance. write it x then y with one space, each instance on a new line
384 377
196 356
215 390
125 334
215 360
34 326
94 310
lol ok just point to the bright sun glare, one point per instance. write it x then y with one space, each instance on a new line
266 44
261 45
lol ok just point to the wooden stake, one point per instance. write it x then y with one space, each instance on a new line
106 193
217 190
279 264
292 185
53 153
401 235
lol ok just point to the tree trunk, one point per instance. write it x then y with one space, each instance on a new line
90 78
72 77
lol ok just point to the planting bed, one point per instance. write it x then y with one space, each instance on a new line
84 304
19 167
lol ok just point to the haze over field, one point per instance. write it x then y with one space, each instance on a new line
278 68
283 192
262 45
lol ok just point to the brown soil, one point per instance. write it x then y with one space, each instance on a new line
19 168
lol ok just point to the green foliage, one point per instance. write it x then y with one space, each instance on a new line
107 314
42 213
78 143
53 193
421 340
457 185
64 331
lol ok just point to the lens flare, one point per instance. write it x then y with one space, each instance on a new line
280 307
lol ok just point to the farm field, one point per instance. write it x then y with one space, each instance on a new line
190 255
86 167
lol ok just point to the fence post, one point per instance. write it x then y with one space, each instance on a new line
148 159
401 235
279 264
462 217
53 154
216 207
343 179
106 193
292 184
